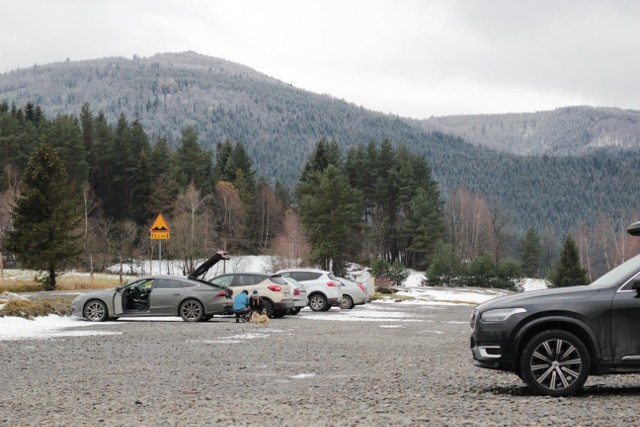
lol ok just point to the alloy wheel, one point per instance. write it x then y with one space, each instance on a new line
95 311
191 311
555 363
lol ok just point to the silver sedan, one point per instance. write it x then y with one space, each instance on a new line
189 297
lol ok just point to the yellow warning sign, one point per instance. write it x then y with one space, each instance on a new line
159 230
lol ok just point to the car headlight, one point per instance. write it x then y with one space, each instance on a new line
500 314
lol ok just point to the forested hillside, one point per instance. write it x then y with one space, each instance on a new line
565 131
278 125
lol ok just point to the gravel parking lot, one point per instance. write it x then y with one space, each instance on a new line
381 364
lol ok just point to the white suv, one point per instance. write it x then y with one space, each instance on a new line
276 292
323 288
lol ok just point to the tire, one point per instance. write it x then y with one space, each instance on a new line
95 311
268 306
295 310
191 310
346 303
318 302
555 363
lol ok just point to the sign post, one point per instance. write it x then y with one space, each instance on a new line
159 231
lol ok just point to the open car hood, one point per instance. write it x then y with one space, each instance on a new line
202 269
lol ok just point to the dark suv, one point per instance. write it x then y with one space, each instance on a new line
553 339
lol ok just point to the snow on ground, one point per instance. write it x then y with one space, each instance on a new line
51 327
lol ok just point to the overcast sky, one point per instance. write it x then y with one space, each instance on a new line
414 58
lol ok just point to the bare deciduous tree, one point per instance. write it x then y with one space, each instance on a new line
291 245
469 222
230 218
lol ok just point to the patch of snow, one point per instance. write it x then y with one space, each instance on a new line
51 326
301 376
532 284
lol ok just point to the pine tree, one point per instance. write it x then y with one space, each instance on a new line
530 252
331 213
567 270
46 222
192 163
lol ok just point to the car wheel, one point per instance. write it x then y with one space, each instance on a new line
555 363
346 303
318 302
295 310
268 306
191 310
95 311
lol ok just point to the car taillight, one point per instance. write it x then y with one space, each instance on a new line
296 292
362 288
275 288
332 284
221 294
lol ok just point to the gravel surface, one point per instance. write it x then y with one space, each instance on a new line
395 365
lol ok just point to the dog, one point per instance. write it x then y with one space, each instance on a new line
259 318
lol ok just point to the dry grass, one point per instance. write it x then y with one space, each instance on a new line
30 309
64 283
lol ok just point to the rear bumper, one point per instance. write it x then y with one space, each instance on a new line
300 303
283 305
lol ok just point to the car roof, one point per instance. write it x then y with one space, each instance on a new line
312 270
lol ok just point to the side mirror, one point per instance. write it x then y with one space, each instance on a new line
119 289
636 286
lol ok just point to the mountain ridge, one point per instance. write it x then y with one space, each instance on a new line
280 124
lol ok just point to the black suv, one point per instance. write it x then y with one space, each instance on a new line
553 339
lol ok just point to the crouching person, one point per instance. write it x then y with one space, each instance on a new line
241 306
256 304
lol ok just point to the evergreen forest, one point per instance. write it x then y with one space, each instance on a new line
239 160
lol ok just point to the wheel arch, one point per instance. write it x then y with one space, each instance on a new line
571 325
309 295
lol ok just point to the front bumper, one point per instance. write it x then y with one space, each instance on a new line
77 307
492 344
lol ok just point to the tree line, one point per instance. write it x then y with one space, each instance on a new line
81 192
376 201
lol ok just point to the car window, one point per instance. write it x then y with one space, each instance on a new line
144 286
189 284
245 280
314 276
168 284
619 275
223 281
300 275
277 278
257 278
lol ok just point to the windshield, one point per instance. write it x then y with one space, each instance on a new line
620 274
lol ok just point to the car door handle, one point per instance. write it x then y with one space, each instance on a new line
176 295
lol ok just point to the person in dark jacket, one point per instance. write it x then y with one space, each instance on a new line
256 304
